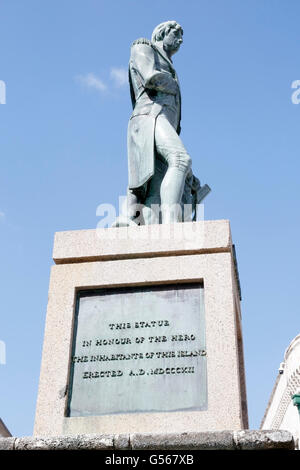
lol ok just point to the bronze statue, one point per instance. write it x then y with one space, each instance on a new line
160 175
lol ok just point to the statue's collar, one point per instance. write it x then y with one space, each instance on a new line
161 51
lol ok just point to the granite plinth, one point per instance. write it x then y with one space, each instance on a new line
197 253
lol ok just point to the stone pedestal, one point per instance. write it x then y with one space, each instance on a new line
192 441
143 333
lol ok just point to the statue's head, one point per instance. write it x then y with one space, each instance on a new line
169 35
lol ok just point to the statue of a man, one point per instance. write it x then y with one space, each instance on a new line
158 162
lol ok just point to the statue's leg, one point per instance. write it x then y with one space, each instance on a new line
151 209
171 149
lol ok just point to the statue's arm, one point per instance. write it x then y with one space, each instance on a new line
143 64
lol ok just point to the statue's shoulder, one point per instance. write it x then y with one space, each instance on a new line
144 41
140 48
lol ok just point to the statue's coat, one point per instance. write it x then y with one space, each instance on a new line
153 84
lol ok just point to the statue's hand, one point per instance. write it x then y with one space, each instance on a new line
163 82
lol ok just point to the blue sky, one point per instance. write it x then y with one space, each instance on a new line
63 152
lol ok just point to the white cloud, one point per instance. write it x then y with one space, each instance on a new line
92 81
119 75
2 216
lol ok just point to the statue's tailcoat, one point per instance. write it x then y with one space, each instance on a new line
153 85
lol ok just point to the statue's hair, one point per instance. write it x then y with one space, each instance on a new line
163 28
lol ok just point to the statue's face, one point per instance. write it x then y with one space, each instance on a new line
172 41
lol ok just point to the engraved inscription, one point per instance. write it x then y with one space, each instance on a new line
139 349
